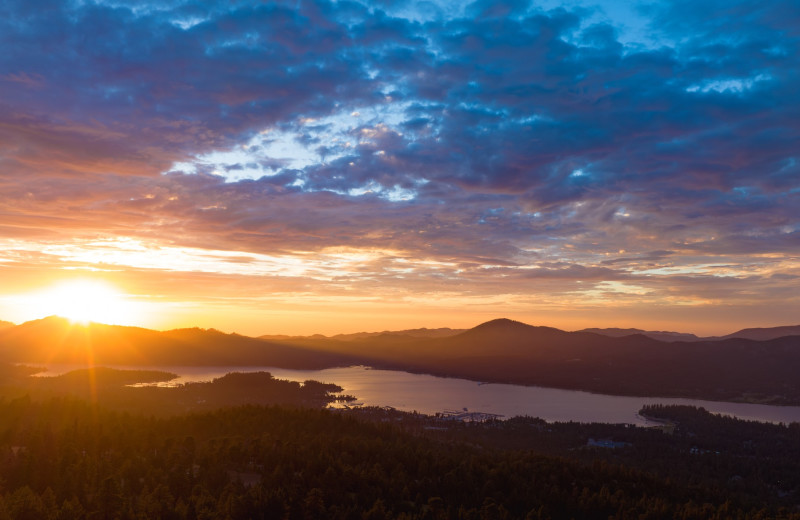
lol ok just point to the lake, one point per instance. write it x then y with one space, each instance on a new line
430 394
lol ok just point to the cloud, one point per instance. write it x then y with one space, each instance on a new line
486 141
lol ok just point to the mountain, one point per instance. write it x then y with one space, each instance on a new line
727 369
499 351
660 335
5 324
411 333
56 340
758 334
505 329
496 326
763 334
505 351
400 334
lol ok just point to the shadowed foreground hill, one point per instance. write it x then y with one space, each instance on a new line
67 460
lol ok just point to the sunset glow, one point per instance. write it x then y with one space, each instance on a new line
327 167
343 258
83 301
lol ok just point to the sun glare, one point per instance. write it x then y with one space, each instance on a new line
84 301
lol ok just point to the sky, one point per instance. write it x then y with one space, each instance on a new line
323 166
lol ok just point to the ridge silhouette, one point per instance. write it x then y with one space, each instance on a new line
501 350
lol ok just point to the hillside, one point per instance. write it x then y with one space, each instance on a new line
399 334
506 351
66 459
501 351
762 334
758 334
660 335
55 340
732 369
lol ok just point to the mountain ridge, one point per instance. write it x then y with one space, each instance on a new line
757 333
661 335
6 324
57 340
765 333
499 351
494 326
355 336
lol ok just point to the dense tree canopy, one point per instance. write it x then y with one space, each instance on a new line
64 458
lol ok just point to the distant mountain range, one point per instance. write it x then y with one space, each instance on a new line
55 340
759 334
763 334
403 334
733 367
659 335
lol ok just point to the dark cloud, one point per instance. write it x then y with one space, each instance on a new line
504 137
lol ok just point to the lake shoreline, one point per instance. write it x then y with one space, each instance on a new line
748 398
431 394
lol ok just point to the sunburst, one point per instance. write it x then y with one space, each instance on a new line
83 301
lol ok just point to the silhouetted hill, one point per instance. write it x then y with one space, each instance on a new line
660 335
758 334
501 326
57 340
506 351
412 333
402 334
505 338
287 337
504 328
502 351
763 334
5 324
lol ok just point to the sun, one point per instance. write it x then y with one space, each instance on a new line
84 301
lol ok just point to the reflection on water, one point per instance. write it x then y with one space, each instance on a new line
430 394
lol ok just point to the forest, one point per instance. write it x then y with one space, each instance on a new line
78 455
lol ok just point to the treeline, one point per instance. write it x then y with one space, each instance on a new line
719 457
64 458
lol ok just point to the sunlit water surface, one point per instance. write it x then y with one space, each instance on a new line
429 394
